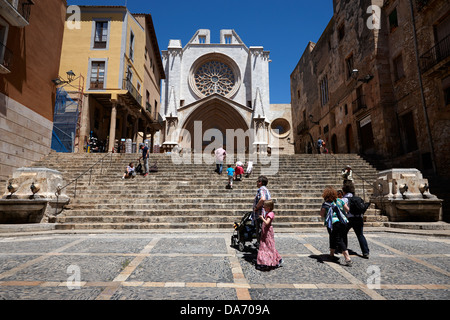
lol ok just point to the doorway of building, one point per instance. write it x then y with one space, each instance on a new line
366 135
213 117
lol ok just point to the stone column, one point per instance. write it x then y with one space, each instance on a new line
84 125
112 126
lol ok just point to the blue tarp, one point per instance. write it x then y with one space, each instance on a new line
65 122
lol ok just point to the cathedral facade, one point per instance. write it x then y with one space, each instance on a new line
218 95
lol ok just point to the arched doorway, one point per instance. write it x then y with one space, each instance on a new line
216 114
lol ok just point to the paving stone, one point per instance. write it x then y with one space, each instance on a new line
191 245
48 293
141 293
56 268
418 295
308 294
294 270
184 269
201 266
110 245
35 245
396 270
411 245
8 262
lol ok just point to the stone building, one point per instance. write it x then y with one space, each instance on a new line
30 49
217 93
377 83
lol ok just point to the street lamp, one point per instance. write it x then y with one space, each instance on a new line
366 78
311 119
70 77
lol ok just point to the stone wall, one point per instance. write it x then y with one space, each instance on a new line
25 136
405 106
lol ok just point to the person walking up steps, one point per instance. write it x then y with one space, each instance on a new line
145 156
336 223
230 174
220 155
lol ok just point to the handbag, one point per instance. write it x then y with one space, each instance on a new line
153 168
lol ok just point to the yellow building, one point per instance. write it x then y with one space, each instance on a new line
117 56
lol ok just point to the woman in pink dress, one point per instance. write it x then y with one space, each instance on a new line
268 256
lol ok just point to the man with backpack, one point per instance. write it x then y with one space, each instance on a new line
355 217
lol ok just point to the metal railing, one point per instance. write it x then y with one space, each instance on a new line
359 103
302 127
23 7
365 182
132 90
436 54
91 168
5 56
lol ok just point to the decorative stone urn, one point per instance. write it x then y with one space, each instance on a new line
404 195
33 195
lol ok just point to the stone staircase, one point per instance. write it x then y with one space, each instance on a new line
192 196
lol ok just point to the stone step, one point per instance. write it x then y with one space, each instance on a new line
184 225
182 196
79 212
177 219
172 225
218 199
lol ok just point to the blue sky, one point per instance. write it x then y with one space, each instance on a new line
283 27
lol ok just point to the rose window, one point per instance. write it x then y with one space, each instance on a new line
214 77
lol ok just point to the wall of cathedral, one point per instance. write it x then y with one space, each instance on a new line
183 92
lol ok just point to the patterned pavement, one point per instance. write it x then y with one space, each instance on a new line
201 265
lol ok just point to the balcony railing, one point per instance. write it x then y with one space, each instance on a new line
438 53
132 90
302 128
17 12
5 59
359 104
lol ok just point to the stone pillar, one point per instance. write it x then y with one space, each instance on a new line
152 139
136 130
112 127
84 125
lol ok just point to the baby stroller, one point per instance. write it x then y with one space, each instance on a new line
243 231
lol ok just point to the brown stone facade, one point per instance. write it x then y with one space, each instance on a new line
31 34
378 90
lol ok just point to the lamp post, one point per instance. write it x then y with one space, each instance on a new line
311 119
366 78
70 77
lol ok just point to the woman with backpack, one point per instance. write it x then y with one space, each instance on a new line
336 221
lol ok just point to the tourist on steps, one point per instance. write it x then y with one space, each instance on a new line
262 195
129 172
336 222
268 256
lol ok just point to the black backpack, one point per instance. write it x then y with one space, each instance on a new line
357 206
